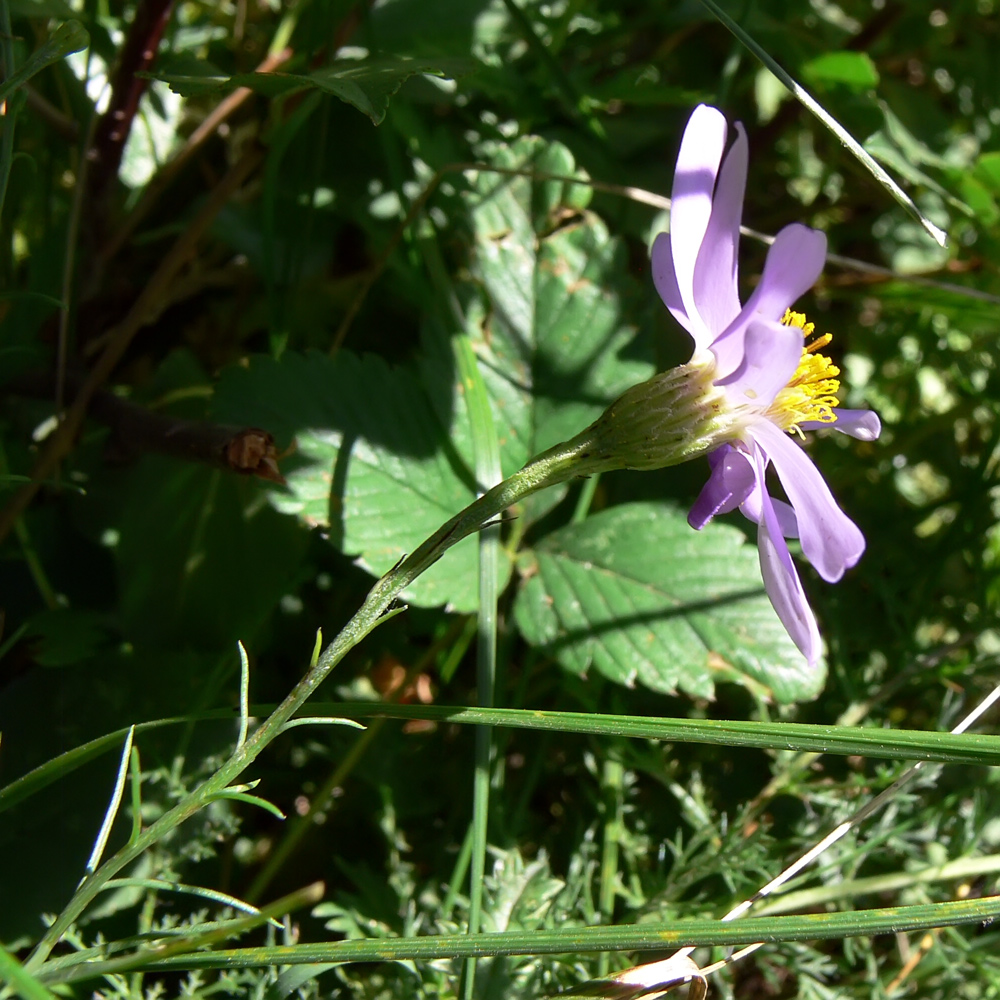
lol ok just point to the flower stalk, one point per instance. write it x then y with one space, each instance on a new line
556 465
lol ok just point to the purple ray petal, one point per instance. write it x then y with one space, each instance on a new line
715 273
771 353
781 580
665 280
831 541
691 198
731 480
861 424
793 264
753 510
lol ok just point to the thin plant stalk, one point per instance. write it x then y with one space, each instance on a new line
553 466
487 460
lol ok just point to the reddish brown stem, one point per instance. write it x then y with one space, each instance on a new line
136 430
137 55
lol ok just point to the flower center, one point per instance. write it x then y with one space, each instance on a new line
811 392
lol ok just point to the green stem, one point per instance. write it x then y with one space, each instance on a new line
551 467
458 874
585 499
613 780
487 458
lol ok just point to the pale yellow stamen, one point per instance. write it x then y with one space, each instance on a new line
811 391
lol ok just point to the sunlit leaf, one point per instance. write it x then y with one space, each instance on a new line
852 69
379 463
638 595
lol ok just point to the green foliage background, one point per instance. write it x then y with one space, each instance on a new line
383 219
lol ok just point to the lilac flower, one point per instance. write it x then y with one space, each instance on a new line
759 355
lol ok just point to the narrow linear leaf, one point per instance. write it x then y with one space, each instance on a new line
253 800
23 983
845 137
643 937
900 744
892 744
383 458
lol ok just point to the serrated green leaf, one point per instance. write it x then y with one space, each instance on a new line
553 349
639 596
380 463
555 346
368 84
851 69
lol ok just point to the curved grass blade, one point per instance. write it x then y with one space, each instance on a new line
894 744
640 937
23 983
845 137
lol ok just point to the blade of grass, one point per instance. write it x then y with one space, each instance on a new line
637 937
23 983
892 744
135 789
163 885
112 811
486 449
613 788
244 696
230 928
845 137
961 869
66 763
652 973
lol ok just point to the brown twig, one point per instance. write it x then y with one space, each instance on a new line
61 441
136 430
127 87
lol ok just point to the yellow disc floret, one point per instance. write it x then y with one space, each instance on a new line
811 394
